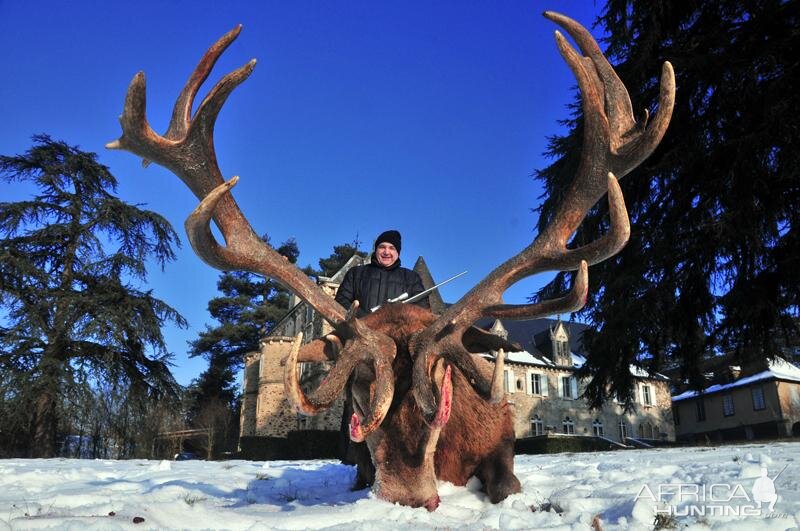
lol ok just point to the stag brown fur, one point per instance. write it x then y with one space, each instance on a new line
477 440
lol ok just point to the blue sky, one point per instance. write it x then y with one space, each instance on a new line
427 117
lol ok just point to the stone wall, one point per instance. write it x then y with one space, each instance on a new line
553 408
265 410
789 396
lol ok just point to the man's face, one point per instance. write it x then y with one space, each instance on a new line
386 254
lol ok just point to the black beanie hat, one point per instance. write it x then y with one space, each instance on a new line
390 236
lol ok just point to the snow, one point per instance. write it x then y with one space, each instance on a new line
778 368
523 356
567 491
526 358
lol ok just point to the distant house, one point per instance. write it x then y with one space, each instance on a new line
540 381
761 401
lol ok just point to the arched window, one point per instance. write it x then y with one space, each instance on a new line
537 426
623 431
597 428
569 426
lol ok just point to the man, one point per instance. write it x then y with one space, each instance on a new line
380 280
372 285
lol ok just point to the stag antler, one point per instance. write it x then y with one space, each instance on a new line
187 149
613 144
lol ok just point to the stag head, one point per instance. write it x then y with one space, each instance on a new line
409 370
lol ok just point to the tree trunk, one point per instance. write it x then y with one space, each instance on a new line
45 418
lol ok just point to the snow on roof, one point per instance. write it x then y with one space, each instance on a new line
526 358
778 369
641 373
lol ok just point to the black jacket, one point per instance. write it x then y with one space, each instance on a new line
372 285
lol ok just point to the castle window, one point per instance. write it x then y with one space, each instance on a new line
536 384
647 399
509 382
727 406
623 431
569 387
597 428
537 426
562 351
569 426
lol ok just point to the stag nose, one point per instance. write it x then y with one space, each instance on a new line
432 504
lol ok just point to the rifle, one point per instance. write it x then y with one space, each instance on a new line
404 298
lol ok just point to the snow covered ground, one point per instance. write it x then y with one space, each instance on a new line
562 491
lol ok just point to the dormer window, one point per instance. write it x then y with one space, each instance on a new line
560 344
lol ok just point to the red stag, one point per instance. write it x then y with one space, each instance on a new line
425 405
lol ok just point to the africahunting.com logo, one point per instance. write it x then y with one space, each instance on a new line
717 499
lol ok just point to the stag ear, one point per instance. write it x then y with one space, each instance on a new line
478 341
333 346
316 351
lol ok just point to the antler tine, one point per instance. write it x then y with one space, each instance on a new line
618 103
498 392
198 229
326 393
381 397
182 112
136 132
642 145
187 149
572 302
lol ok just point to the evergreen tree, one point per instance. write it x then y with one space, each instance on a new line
69 258
714 250
340 255
247 309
